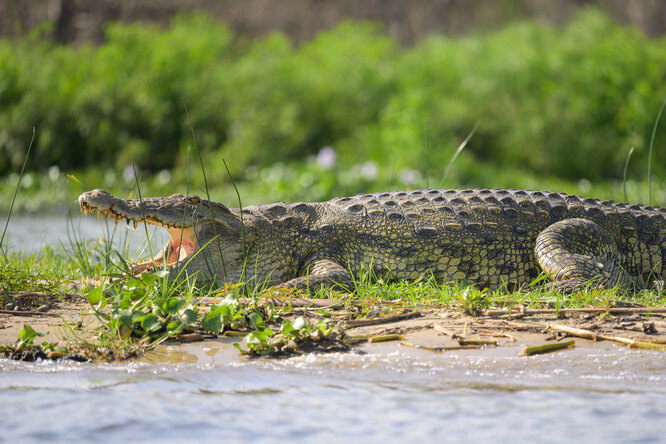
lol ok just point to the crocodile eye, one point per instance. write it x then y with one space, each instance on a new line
193 199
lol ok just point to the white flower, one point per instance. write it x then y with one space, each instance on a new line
326 157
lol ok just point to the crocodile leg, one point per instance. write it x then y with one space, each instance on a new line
322 272
575 252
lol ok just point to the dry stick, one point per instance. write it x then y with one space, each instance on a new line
624 310
498 335
39 294
579 332
236 334
190 337
546 348
439 329
648 345
587 334
29 313
400 317
386 338
463 341
306 303
440 349
302 302
379 338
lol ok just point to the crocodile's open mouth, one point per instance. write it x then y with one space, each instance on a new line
182 240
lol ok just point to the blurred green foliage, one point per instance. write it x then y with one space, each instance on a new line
566 102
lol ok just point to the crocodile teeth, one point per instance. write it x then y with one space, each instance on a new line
136 224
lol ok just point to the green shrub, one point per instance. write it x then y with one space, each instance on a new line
566 102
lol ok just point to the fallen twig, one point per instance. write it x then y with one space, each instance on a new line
648 345
497 335
384 320
465 341
235 334
537 311
190 337
546 348
386 338
369 338
440 349
29 313
40 294
587 334
581 333
439 329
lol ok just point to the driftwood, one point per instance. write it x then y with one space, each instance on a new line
546 348
587 334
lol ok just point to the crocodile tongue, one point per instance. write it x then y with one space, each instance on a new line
182 243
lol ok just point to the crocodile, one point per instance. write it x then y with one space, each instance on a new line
487 237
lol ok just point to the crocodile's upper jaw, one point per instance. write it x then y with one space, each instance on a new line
183 239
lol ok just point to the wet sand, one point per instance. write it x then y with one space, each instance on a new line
429 327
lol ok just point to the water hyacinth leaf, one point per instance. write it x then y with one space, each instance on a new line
257 321
188 316
28 334
286 327
172 306
150 323
173 326
124 302
221 310
137 315
125 317
137 294
132 284
212 322
258 336
149 278
94 296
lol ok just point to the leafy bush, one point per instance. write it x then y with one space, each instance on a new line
566 102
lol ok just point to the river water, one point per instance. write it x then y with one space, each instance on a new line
208 392
30 234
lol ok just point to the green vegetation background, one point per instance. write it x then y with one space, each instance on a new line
350 111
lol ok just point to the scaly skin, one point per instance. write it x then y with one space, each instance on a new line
486 237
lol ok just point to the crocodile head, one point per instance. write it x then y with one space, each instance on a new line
193 224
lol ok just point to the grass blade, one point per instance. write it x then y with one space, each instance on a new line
654 132
18 185
624 174
456 154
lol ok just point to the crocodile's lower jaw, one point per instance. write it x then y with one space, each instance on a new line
182 244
